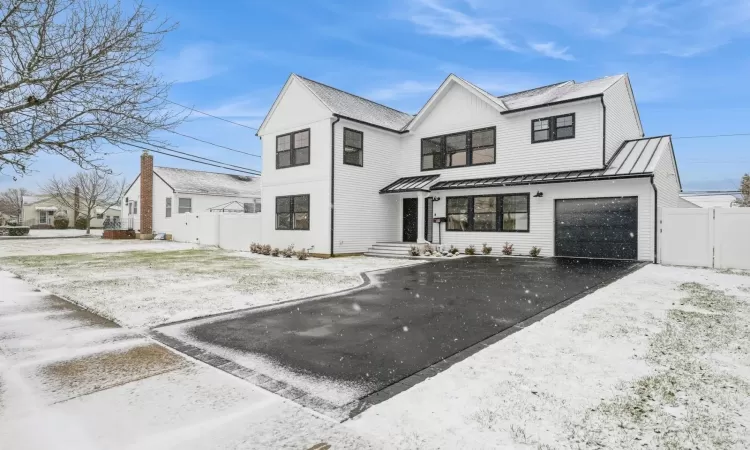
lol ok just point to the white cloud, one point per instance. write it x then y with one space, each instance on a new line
552 50
194 62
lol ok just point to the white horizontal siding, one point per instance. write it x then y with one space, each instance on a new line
622 122
461 110
665 179
542 214
362 215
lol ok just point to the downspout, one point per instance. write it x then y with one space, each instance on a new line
656 221
333 165
604 133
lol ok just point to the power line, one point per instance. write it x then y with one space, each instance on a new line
246 171
195 156
711 136
207 114
211 143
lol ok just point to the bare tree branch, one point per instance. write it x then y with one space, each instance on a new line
76 75
11 202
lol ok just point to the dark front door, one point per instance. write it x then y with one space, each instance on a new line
411 211
597 227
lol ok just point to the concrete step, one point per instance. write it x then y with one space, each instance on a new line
379 251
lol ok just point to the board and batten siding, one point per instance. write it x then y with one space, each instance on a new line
542 215
460 110
622 122
362 215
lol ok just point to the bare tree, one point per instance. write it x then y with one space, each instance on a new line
11 202
85 192
76 75
745 192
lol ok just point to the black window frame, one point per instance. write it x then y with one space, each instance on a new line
443 151
292 148
499 213
361 149
552 130
292 212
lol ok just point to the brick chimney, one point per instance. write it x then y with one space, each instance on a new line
147 193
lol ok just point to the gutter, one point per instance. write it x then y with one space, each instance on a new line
333 166
656 220
559 102
339 116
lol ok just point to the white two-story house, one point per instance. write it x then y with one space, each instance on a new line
564 167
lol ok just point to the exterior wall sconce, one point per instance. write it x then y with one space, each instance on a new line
436 199
539 194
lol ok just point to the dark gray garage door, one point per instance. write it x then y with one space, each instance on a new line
597 227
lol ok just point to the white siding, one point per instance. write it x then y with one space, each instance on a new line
665 179
158 212
199 204
460 110
622 122
362 215
132 194
542 215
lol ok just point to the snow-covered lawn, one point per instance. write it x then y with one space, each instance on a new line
28 247
659 359
165 281
52 234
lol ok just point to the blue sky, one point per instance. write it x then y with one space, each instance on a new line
688 62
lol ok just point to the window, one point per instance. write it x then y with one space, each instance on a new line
507 213
252 207
184 205
353 147
553 128
257 205
135 207
168 212
468 148
100 216
293 149
293 212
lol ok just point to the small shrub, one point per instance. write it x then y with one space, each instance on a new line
470 250
6 230
429 250
302 255
535 251
255 247
81 223
275 252
288 252
453 250
61 221
266 250
507 249
414 251
486 249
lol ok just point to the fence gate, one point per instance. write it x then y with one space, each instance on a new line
705 237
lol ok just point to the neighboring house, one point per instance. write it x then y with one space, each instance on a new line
39 211
176 191
564 167
712 199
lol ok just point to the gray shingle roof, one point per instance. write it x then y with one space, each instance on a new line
568 90
355 107
185 181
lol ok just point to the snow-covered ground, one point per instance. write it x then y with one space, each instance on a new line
659 358
70 232
166 281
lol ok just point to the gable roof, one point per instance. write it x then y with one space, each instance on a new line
557 93
184 181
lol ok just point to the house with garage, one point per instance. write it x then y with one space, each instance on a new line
159 194
564 167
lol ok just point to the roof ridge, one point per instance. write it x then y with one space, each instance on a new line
353 95
206 171
534 89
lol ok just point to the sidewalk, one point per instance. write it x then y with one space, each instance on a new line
70 379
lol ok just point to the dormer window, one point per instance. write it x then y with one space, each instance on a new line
553 128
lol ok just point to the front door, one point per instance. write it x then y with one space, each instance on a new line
410 226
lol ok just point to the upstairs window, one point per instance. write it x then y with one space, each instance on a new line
293 212
468 148
353 147
553 128
293 149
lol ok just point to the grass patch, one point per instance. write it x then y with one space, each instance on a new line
686 403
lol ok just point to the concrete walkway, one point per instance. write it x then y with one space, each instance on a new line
70 379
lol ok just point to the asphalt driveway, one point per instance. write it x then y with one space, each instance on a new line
408 318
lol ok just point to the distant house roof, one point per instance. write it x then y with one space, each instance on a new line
355 107
559 92
31 199
185 181
635 158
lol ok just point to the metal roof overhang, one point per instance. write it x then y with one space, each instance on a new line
563 177
410 184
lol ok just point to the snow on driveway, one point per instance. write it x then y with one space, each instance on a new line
147 283
661 356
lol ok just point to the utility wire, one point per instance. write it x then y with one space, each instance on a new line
207 114
246 171
711 136
194 156
211 143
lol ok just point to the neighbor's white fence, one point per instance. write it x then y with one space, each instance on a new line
225 230
710 237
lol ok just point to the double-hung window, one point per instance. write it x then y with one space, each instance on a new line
468 148
252 207
293 149
507 213
293 212
168 211
184 205
353 147
553 128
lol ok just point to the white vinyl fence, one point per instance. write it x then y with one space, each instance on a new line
710 237
226 230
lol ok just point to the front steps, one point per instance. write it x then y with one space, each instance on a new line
392 249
